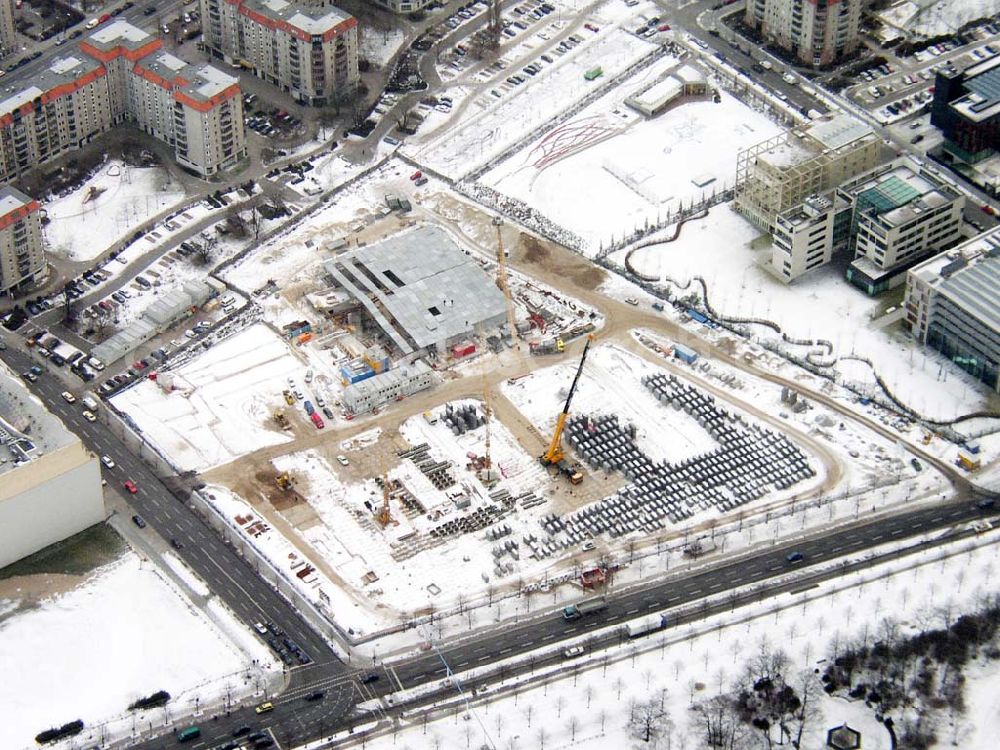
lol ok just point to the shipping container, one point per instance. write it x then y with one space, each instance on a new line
463 349
645 625
685 354
576 611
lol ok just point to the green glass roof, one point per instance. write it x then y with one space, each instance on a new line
889 194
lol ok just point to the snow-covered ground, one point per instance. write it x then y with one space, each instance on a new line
221 403
585 704
379 45
726 250
122 635
935 17
611 384
492 124
121 198
638 170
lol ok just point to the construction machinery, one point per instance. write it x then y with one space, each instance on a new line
503 283
555 456
281 420
383 515
284 480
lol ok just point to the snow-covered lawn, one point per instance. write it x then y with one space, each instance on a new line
587 708
726 251
122 635
641 172
123 198
222 402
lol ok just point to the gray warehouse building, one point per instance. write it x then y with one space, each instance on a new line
420 290
953 305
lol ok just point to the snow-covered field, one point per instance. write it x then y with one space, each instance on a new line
725 250
587 707
222 401
81 229
637 170
122 635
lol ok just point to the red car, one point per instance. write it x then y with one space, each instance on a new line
416 175
130 486
591 27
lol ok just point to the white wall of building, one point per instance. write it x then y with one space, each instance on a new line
51 510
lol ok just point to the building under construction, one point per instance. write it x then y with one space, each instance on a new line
776 174
419 291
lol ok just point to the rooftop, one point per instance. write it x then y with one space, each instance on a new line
311 21
969 275
420 288
982 81
12 199
61 71
838 131
118 33
900 195
27 429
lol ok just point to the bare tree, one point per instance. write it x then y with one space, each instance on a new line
723 729
573 724
648 721
560 705
542 736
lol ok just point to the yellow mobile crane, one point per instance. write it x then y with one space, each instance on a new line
504 284
555 456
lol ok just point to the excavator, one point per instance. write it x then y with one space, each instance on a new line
555 456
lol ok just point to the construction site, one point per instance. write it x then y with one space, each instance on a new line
439 407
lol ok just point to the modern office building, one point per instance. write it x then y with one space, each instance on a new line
888 220
50 485
8 31
899 218
966 108
310 51
817 32
22 252
953 305
121 74
781 172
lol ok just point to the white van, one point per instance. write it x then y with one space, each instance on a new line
90 403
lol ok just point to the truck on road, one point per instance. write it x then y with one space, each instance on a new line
646 625
576 611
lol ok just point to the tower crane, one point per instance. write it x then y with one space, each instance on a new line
555 454
503 283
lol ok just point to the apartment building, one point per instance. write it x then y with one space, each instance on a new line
50 484
953 305
781 172
22 254
120 73
310 51
888 220
8 32
817 32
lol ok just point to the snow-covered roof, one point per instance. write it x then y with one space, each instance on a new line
420 288
27 429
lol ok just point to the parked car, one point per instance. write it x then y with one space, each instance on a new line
137 520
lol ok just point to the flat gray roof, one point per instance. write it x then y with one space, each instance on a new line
420 287
976 288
